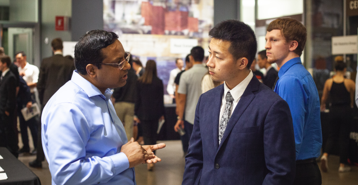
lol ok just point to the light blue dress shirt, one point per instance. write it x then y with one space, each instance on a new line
82 136
297 88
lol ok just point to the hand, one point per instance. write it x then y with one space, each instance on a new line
29 105
323 107
136 119
135 153
161 118
180 123
22 74
7 113
151 158
171 95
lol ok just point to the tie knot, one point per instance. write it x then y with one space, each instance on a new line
229 98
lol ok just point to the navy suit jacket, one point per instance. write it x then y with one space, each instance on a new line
270 78
257 147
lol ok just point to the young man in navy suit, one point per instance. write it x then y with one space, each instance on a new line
242 130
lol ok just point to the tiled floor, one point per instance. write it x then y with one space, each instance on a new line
170 170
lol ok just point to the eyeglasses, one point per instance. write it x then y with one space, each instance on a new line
122 63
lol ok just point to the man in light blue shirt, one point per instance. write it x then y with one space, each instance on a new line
84 141
285 41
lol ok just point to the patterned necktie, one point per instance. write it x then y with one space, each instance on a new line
226 115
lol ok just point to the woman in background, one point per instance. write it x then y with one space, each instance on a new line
149 106
341 92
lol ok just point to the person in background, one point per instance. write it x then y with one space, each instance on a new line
55 71
8 136
188 65
14 69
356 97
137 128
124 101
30 73
341 92
138 67
189 92
271 74
285 41
173 74
257 73
149 106
83 139
208 83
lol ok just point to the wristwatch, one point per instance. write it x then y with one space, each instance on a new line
179 118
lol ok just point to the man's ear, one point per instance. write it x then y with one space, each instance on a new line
293 45
242 63
91 70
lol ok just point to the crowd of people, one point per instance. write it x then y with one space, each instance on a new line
237 124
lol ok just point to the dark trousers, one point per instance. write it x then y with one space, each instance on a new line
149 128
339 128
307 173
8 136
40 156
32 124
188 128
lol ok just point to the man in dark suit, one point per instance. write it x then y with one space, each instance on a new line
271 74
256 144
55 71
8 136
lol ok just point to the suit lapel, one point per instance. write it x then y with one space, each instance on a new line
240 108
216 102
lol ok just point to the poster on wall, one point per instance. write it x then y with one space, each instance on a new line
160 30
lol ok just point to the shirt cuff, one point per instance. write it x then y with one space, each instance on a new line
120 162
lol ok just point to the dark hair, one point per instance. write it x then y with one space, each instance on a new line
88 49
198 53
291 29
176 60
241 37
340 66
69 57
138 62
262 54
21 52
187 60
149 72
2 52
56 44
5 60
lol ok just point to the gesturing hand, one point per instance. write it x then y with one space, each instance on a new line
150 157
134 152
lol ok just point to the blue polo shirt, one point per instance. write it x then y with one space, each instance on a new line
297 88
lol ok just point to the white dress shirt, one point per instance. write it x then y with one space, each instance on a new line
171 85
236 93
31 74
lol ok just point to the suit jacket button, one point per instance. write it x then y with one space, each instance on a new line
217 166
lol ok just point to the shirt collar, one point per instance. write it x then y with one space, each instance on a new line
4 73
198 65
240 88
288 65
58 53
88 87
25 67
